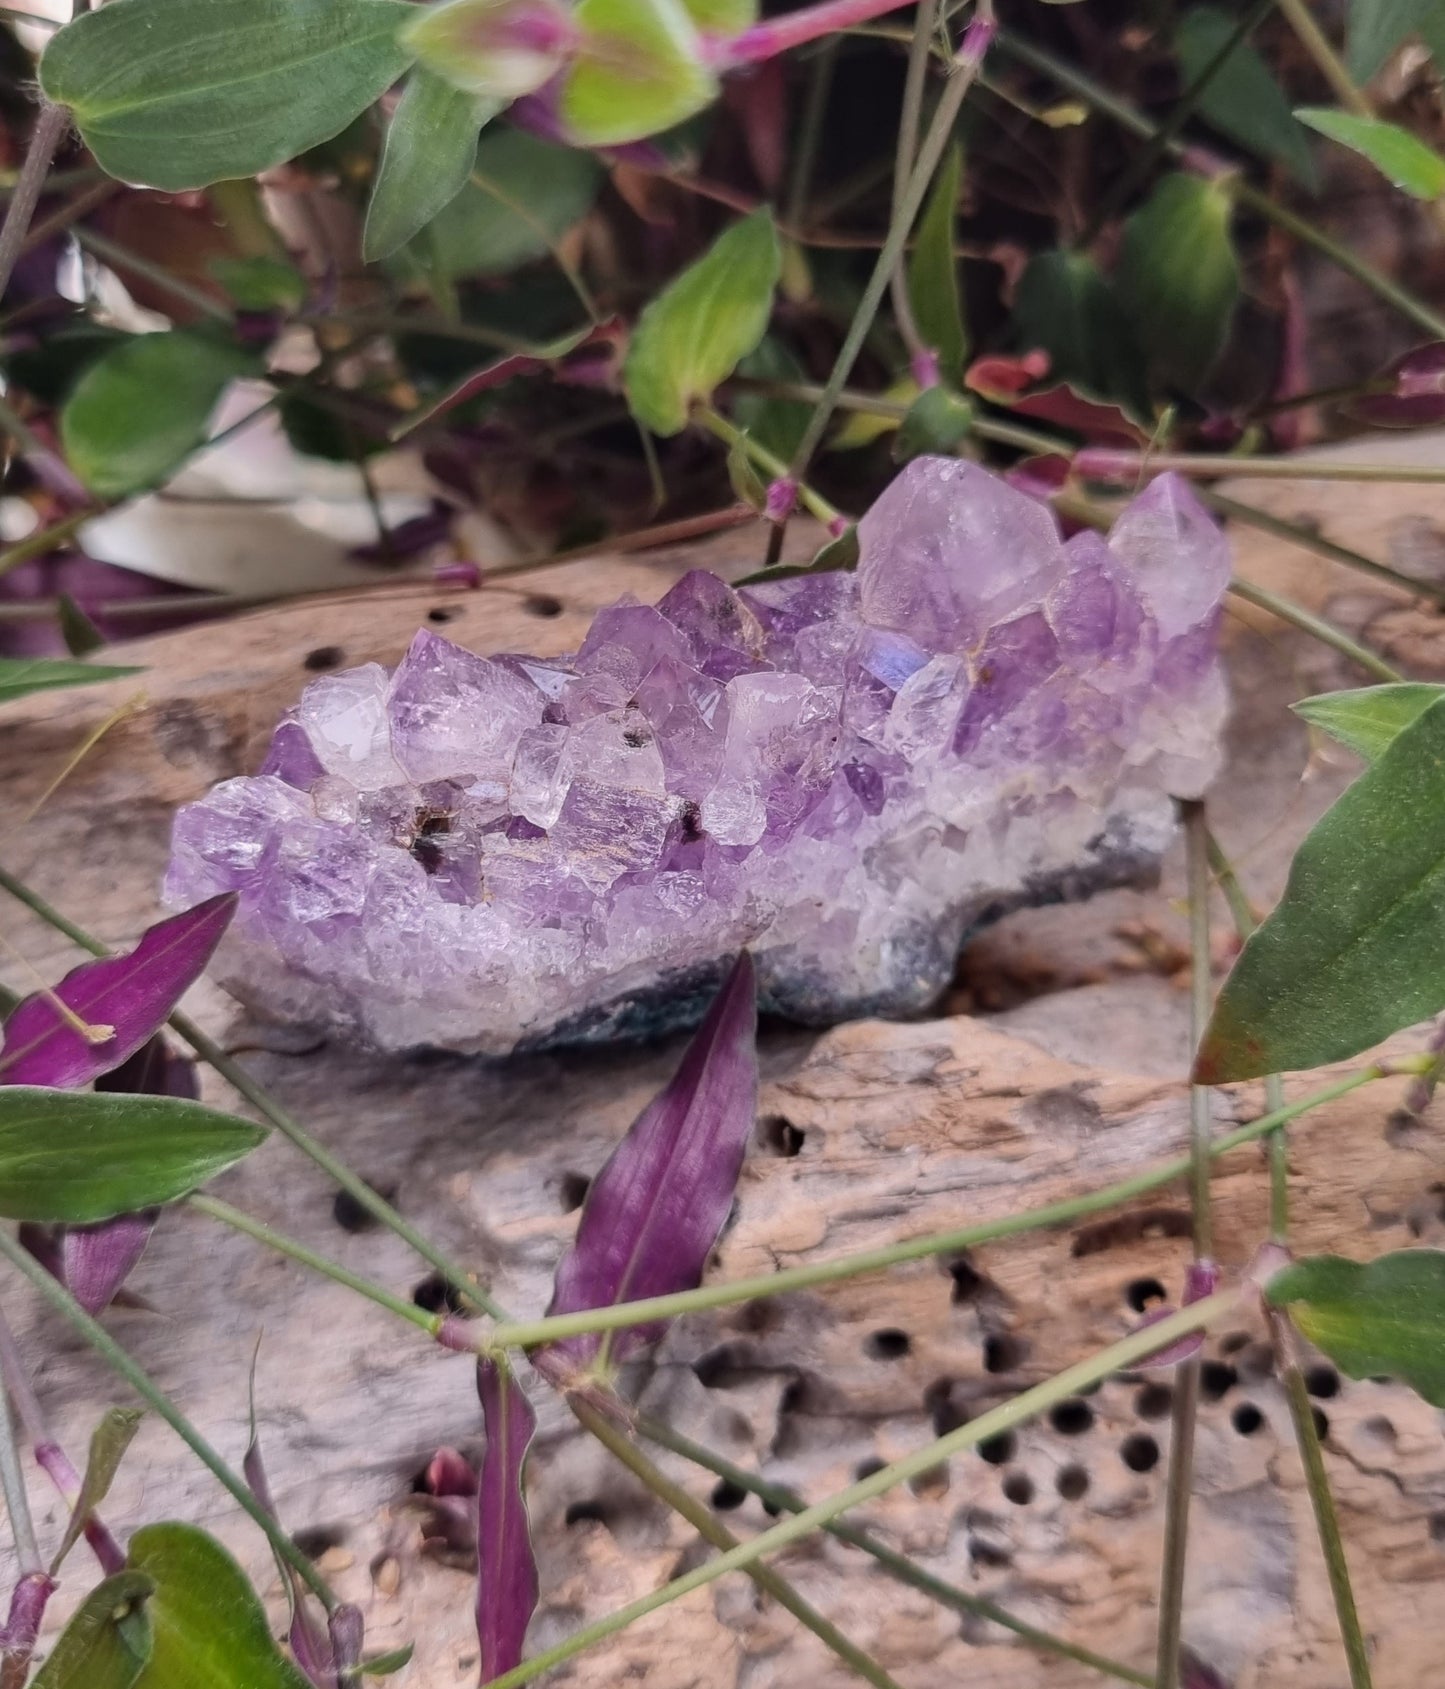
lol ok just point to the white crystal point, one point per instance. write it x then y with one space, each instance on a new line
344 716
949 549
1173 553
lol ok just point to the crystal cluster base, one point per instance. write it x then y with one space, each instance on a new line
842 772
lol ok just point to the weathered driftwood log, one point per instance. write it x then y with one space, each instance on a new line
867 1133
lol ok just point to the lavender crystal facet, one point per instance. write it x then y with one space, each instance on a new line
842 772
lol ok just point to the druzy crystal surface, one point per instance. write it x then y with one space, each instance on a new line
843 772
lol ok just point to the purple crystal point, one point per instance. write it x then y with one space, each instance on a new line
839 772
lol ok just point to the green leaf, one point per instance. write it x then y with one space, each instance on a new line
1386 1319
210 1630
1178 276
1369 719
1242 99
82 1156
20 676
933 272
776 424
1064 306
638 69
523 196
81 635
384 1665
141 410
107 1643
1378 27
177 94
260 284
1356 948
937 421
692 336
430 147
1393 151
108 1443
486 47
722 17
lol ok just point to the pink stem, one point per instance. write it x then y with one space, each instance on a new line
795 29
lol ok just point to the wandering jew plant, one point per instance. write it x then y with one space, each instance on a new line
561 221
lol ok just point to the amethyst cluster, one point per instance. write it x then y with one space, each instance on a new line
842 772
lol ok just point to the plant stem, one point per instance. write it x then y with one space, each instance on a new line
1105 463
1077 82
1270 524
1180 1484
735 437
810 132
283 1245
1122 190
17 1500
289 1127
1326 1520
776 35
961 76
44 540
122 258
45 137
924 22
712 1530
60 1299
1129 1351
1326 632
897 1565
1327 61
529 1334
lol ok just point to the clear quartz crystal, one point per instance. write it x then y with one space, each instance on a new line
842 772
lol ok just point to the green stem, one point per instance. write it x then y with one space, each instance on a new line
1326 632
17 1498
1312 38
713 1531
1122 113
1180 1483
431 1324
60 1299
810 133
121 257
735 437
1123 189
529 1334
289 1127
924 22
1245 922
1318 1483
897 1565
44 540
1128 1352
960 79
1297 535
1106 463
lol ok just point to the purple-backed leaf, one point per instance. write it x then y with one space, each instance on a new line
96 1260
450 1473
655 1210
347 1631
507 1586
506 369
1418 400
129 996
308 1637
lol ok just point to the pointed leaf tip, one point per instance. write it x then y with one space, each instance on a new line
131 995
507 1584
653 1213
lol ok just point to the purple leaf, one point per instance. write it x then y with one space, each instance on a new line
132 995
1194 1674
309 1639
1201 1279
655 1210
506 1567
1418 400
22 1626
96 1260
450 1473
155 1070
